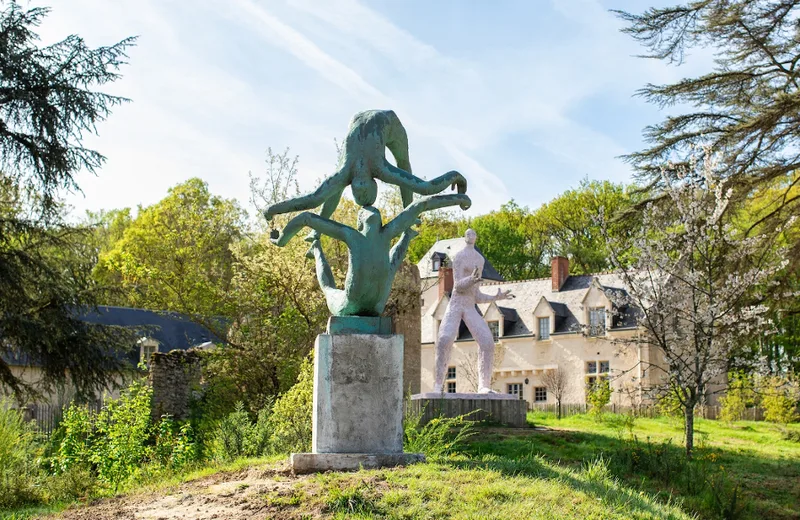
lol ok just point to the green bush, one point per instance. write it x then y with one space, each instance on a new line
290 421
233 435
739 396
778 401
598 396
18 452
72 439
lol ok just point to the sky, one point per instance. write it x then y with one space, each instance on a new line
524 97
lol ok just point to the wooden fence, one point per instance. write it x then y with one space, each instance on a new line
48 416
706 412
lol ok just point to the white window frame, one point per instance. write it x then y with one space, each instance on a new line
544 332
599 328
515 389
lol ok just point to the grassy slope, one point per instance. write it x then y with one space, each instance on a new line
508 474
752 455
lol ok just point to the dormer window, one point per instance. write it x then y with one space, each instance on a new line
147 346
437 263
597 321
544 328
494 326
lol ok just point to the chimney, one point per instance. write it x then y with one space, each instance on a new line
445 281
560 271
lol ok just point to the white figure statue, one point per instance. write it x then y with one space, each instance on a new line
467 269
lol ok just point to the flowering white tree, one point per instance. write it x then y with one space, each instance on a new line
694 284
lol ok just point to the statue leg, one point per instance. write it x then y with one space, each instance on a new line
336 183
483 336
403 179
448 331
333 296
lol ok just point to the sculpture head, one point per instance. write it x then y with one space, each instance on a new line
369 220
470 236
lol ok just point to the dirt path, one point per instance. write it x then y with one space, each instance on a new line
248 494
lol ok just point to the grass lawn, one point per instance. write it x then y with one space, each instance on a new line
755 456
576 468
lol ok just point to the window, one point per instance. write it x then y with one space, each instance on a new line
451 384
515 389
451 373
437 262
494 326
544 328
597 370
451 387
540 394
146 351
597 321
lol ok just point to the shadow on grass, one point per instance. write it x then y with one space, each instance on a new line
717 479
534 466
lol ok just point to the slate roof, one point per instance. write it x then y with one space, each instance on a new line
449 248
172 330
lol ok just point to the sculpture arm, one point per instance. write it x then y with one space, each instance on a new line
463 284
408 217
400 249
329 191
326 227
482 297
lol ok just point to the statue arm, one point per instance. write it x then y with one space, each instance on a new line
408 217
482 297
322 225
329 192
400 249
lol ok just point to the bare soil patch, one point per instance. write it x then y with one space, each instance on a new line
255 493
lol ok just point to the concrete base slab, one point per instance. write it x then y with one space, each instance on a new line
492 397
477 407
319 462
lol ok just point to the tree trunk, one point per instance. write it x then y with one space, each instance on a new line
688 413
558 406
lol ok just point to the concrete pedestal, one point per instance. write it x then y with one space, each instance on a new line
358 404
505 409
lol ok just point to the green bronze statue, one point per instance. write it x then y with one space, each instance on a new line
363 160
372 260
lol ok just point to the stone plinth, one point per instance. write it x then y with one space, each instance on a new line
505 409
358 404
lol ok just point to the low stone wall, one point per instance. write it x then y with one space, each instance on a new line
509 412
174 377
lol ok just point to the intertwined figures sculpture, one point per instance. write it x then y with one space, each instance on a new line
373 261
363 161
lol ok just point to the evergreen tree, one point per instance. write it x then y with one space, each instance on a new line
747 109
48 101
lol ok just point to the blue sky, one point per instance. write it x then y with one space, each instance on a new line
525 98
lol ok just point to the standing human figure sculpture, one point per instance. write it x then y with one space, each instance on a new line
467 268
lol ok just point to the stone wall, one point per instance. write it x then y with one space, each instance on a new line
404 309
174 377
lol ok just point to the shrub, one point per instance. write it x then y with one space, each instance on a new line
122 431
597 397
72 439
780 406
739 396
234 433
290 421
440 437
175 445
18 450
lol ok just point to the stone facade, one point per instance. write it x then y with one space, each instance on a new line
175 376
